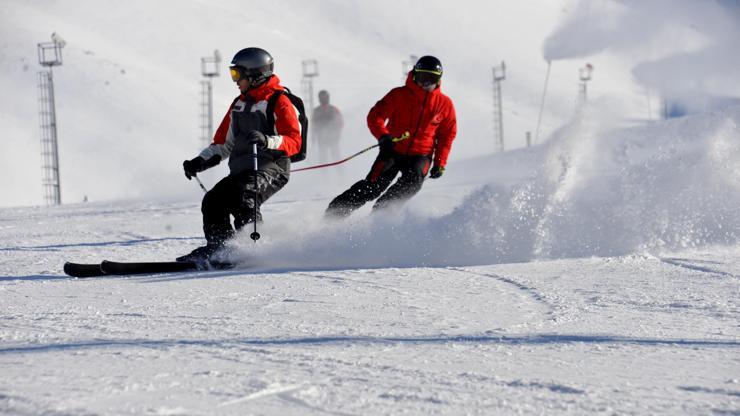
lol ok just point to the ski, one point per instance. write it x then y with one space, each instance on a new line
114 268
83 270
126 268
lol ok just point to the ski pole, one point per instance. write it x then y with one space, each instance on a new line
255 235
404 136
200 183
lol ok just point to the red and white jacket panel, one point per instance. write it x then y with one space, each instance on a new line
286 136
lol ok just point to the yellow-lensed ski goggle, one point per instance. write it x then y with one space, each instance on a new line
427 77
236 74
437 73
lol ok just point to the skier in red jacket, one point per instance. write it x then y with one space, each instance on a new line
415 126
246 124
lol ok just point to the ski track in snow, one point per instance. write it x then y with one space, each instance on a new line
699 266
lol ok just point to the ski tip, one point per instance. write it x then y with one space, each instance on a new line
82 270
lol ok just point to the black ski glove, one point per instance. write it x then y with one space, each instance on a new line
436 172
256 137
193 166
385 143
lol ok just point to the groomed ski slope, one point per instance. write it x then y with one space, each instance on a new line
598 273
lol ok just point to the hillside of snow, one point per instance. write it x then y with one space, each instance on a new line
556 284
128 91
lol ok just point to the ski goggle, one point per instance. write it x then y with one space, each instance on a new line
426 77
237 73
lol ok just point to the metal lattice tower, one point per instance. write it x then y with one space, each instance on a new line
499 74
209 68
50 55
206 112
310 71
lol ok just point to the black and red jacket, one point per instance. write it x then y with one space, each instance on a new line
429 117
284 140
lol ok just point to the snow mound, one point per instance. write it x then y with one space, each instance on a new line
597 190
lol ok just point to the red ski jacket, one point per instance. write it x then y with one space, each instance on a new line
287 134
428 116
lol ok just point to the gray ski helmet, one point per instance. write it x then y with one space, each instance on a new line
254 64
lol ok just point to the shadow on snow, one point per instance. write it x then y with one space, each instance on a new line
56 247
543 339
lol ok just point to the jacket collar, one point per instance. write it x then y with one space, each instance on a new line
417 90
265 90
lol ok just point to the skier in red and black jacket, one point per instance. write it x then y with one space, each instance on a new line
415 126
245 124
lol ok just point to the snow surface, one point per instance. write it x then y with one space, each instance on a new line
596 274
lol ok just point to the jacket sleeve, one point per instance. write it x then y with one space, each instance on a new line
287 135
223 139
379 114
445 135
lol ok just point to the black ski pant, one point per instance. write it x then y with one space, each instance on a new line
236 195
387 166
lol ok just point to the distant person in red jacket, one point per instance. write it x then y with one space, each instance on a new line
327 123
415 126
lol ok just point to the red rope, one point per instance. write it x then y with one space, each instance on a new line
326 165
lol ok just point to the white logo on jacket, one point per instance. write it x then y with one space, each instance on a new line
239 106
260 106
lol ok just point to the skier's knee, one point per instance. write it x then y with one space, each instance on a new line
209 203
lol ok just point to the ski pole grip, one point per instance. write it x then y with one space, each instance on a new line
404 136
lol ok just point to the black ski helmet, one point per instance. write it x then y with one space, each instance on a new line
427 71
430 64
253 63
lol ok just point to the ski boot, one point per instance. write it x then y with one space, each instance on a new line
201 255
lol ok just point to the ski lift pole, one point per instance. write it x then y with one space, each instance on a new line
542 104
404 136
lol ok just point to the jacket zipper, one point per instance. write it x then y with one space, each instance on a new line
418 123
